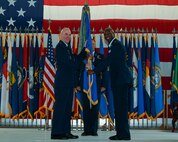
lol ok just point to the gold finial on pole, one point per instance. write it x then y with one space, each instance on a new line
32 30
78 30
142 31
86 3
101 30
174 31
59 32
20 30
93 30
42 30
25 30
37 30
10 30
117 30
74 30
49 22
1 29
147 30
15 30
125 30
131 30
6 30
152 31
28 30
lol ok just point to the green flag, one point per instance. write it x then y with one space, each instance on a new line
82 34
175 79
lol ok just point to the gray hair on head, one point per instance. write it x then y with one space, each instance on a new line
64 29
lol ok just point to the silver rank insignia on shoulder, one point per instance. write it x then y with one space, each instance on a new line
108 68
98 57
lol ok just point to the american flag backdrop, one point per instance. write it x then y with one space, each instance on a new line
119 14
157 14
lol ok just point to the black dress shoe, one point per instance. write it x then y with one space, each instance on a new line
60 137
94 134
119 137
85 134
71 136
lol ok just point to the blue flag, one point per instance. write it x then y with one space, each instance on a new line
103 96
14 100
88 33
152 75
101 45
141 111
158 84
122 38
90 86
103 111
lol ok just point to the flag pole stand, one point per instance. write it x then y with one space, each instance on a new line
46 126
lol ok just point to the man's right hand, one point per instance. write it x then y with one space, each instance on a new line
90 72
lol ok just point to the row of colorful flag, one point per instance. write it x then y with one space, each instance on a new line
27 75
146 96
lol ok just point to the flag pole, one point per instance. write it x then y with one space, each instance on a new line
90 76
47 96
59 32
89 82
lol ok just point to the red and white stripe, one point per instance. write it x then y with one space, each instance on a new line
48 78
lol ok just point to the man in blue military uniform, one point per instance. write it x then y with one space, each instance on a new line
121 79
65 83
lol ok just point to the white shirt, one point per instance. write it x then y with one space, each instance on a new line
111 42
